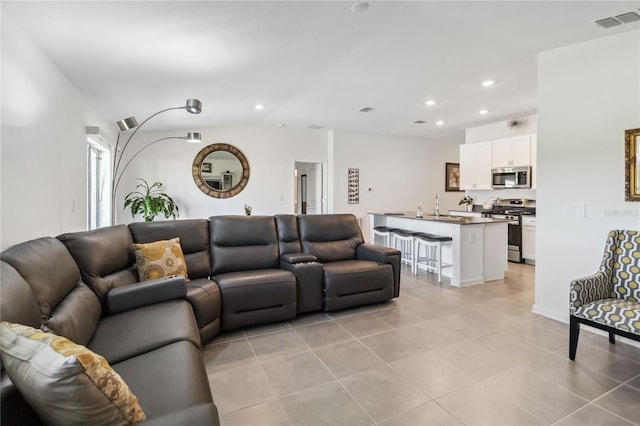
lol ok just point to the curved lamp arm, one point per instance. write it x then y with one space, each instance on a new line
191 137
194 106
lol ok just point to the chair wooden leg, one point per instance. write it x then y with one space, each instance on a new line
612 338
574 331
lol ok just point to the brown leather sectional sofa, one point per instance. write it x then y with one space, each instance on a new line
243 271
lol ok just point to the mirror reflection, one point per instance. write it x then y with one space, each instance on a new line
220 170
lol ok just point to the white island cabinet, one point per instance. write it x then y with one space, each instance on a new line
478 251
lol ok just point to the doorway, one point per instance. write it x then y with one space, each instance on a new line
308 188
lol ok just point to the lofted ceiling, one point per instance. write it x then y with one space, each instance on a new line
312 62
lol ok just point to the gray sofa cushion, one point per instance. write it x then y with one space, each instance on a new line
105 257
330 237
67 306
18 303
254 297
288 237
131 333
350 283
168 379
243 243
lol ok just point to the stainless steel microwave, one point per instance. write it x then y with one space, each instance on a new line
511 177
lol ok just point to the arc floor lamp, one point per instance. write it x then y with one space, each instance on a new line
193 106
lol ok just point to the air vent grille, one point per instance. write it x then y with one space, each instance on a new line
314 127
365 109
419 122
623 18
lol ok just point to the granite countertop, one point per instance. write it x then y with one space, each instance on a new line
456 220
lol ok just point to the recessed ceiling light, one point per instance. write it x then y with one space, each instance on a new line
258 106
488 83
430 102
282 125
483 111
439 122
419 122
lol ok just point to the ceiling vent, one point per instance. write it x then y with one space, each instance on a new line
365 109
608 22
419 122
625 18
314 127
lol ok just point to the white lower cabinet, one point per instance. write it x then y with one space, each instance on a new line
529 239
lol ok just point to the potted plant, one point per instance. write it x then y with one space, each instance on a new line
247 209
150 201
468 203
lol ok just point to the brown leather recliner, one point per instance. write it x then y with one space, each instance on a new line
245 264
355 273
202 293
144 331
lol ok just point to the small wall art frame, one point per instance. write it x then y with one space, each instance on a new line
631 165
452 177
353 186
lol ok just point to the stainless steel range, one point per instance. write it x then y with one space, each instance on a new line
513 210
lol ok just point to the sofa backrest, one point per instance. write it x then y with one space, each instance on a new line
18 303
330 237
242 243
621 262
288 237
105 257
194 241
66 305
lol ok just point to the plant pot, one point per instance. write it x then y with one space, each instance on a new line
468 207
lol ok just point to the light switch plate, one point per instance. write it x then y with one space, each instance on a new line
575 209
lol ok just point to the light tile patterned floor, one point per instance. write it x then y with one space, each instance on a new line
434 356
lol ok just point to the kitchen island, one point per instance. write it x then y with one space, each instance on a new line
478 252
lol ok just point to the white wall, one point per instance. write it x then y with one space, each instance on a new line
588 94
43 154
495 131
401 172
271 153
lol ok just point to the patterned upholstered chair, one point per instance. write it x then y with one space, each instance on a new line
610 298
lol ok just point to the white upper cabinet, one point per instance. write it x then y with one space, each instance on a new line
475 166
511 152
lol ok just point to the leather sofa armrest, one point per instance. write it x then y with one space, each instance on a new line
146 293
203 414
376 253
294 258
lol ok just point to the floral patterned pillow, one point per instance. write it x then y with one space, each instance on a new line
65 383
160 259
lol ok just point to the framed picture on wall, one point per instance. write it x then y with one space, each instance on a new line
452 177
206 167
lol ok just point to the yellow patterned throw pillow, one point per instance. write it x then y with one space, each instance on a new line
63 382
160 259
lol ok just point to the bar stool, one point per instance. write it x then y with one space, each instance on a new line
407 242
433 248
385 232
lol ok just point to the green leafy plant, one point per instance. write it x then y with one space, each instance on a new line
150 201
466 200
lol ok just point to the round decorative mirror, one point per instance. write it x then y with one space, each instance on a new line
220 170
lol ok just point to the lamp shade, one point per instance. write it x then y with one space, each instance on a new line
194 137
127 123
194 106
